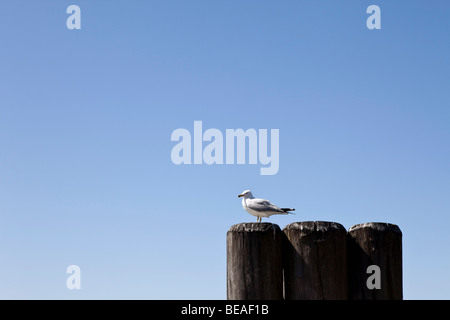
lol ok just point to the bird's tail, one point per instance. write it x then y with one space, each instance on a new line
288 209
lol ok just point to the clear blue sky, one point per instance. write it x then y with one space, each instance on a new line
86 117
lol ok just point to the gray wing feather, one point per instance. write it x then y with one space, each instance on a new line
262 205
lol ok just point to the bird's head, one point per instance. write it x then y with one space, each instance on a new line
246 194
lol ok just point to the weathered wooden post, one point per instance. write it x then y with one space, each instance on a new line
254 262
315 261
378 245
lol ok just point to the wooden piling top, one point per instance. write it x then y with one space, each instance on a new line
378 226
254 227
314 226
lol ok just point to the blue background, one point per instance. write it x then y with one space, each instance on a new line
86 117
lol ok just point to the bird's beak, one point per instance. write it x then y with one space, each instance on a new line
241 195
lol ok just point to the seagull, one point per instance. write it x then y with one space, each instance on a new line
260 207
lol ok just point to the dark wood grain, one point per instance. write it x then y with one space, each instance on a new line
254 262
378 244
315 261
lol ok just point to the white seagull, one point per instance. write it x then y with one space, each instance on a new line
260 207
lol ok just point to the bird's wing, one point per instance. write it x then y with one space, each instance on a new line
262 205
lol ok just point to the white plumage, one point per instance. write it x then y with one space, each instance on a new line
259 207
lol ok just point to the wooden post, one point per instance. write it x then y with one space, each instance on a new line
254 262
379 245
315 261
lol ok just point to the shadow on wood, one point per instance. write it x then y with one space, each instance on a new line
378 244
315 261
